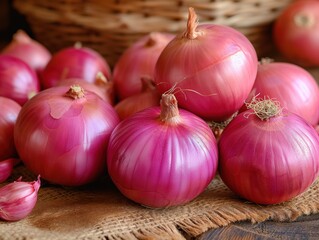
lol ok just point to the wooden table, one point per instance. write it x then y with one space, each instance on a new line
304 228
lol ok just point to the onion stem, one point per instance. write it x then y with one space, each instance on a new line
169 109
192 24
75 92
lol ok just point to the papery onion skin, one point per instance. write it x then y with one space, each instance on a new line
296 33
159 163
18 81
65 139
270 161
137 61
8 116
293 86
74 62
214 71
105 92
35 54
149 97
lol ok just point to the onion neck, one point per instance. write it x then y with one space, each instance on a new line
100 79
22 37
75 92
169 109
192 24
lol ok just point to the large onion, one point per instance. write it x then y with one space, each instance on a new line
212 68
62 134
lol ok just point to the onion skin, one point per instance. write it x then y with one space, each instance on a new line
137 61
214 70
296 33
291 85
8 116
105 91
6 168
64 139
18 82
28 50
161 162
270 161
74 62
149 97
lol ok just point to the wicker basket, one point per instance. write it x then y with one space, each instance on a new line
110 26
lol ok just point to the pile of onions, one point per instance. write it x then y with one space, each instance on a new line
291 85
137 61
8 116
62 134
28 50
268 155
162 156
213 67
296 32
18 82
102 86
74 62
149 97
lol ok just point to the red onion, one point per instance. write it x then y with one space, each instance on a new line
18 81
137 61
162 156
149 97
268 156
102 86
62 134
6 168
291 85
18 199
214 67
296 32
28 50
74 62
8 116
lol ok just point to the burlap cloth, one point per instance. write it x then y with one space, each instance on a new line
99 211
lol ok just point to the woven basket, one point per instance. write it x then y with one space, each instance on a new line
111 26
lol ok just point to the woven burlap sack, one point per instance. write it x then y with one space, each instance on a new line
99 211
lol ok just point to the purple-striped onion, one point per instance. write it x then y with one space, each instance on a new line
268 155
162 156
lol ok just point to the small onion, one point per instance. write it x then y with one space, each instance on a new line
28 50
74 62
8 116
296 32
6 168
137 61
162 156
291 85
149 97
18 81
268 156
214 66
102 86
62 134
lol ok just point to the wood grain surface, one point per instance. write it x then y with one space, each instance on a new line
304 228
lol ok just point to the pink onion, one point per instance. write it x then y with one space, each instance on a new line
149 97
8 116
293 86
268 156
74 62
28 50
102 86
62 134
162 156
6 168
296 32
18 81
137 61
213 66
